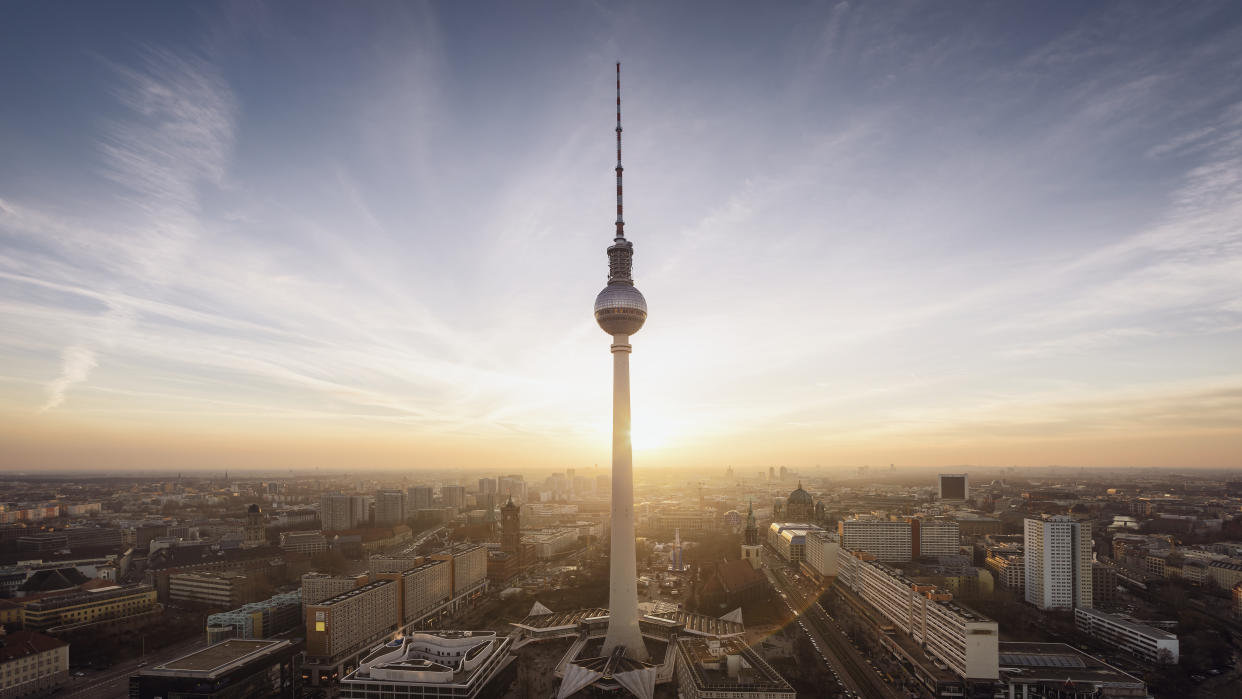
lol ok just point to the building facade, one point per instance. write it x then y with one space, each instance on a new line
32 664
1057 552
340 629
1142 641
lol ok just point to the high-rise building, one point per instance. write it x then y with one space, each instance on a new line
621 310
390 508
954 487
1057 550
453 496
420 498
341 512
340 629
487 485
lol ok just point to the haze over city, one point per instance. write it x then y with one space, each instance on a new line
273 236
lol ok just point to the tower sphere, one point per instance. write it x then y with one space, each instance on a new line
620 309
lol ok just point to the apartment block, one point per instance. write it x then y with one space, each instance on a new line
469 568
424 589
221 589
341 628
1057 552
963 640
317 587
1146 642
890 541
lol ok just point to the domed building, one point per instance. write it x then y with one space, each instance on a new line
800 506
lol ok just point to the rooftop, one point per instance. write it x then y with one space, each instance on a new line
215 660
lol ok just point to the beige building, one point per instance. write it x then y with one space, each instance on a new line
308 542
88 606
317 587
424 589
469 567
1009 569
32 664
887 540
821 553
341 628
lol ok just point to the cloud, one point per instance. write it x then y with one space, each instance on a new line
76 365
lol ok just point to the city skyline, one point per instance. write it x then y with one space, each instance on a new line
235 237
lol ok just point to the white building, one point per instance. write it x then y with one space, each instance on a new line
429 664
965 641
550 543
317 587
888 540
1151 644
1057 552
311 542
821 553
341 512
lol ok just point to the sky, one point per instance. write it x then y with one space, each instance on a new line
368 235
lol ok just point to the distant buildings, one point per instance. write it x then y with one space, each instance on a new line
953 487
390 508
453 496
306 542
108 603
341 512
1057 552
32 664
1145 642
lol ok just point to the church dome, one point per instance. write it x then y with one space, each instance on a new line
799 497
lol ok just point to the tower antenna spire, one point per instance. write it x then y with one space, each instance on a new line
620 220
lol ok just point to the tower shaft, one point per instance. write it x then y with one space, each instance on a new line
623 630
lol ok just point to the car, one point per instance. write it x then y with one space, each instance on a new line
79 673
1198 678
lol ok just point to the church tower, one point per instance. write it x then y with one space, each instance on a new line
751 549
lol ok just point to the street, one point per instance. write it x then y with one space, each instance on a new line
113 682
846 662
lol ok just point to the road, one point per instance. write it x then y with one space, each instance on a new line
113 683
847 662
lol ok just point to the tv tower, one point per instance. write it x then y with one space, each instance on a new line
620 310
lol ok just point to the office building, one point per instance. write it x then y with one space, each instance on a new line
224 589
390 508
963 640
789 539
1103 585
32 664
340 629
821 554
269 617
457 664
393 563
1142 641
954 487
227 670
111 602
1057 552
1030 670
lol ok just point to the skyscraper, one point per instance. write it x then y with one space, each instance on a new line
419 498
1057 551
621 310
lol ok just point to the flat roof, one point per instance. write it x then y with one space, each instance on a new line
217 659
